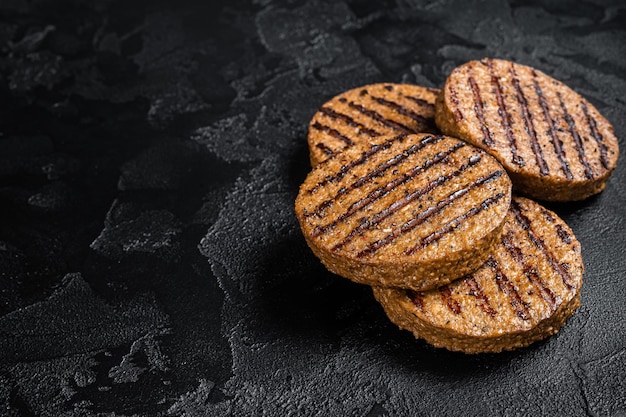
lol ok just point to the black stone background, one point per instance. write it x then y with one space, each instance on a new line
150 260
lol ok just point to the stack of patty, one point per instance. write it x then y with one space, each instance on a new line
429 219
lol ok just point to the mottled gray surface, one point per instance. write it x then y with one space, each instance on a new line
150 260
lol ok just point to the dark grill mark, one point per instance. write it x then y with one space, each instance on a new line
380 119
419 101
580 148
528 124
479 109
324 149
332 132
431 211
531 273
539 243
508 289
327 111
545 292
563 234
547 215
515 251
596 135
476 291
416 298
455 101
404 111
556 142
505 116
379 193
389 87
377 172
374 149
451 303
454 224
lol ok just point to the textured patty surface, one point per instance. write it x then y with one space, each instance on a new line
410 211
365 112
523 293
554 144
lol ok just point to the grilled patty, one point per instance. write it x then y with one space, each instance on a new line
369 111
523 293
410 211
553 143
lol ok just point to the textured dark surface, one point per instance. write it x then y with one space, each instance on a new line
150 260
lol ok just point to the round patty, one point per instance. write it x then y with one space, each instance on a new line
410 211
523 293
369 111
553 143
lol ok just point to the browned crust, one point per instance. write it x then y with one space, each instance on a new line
433 214
524 293
554 144
359 114
417 276
442 338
